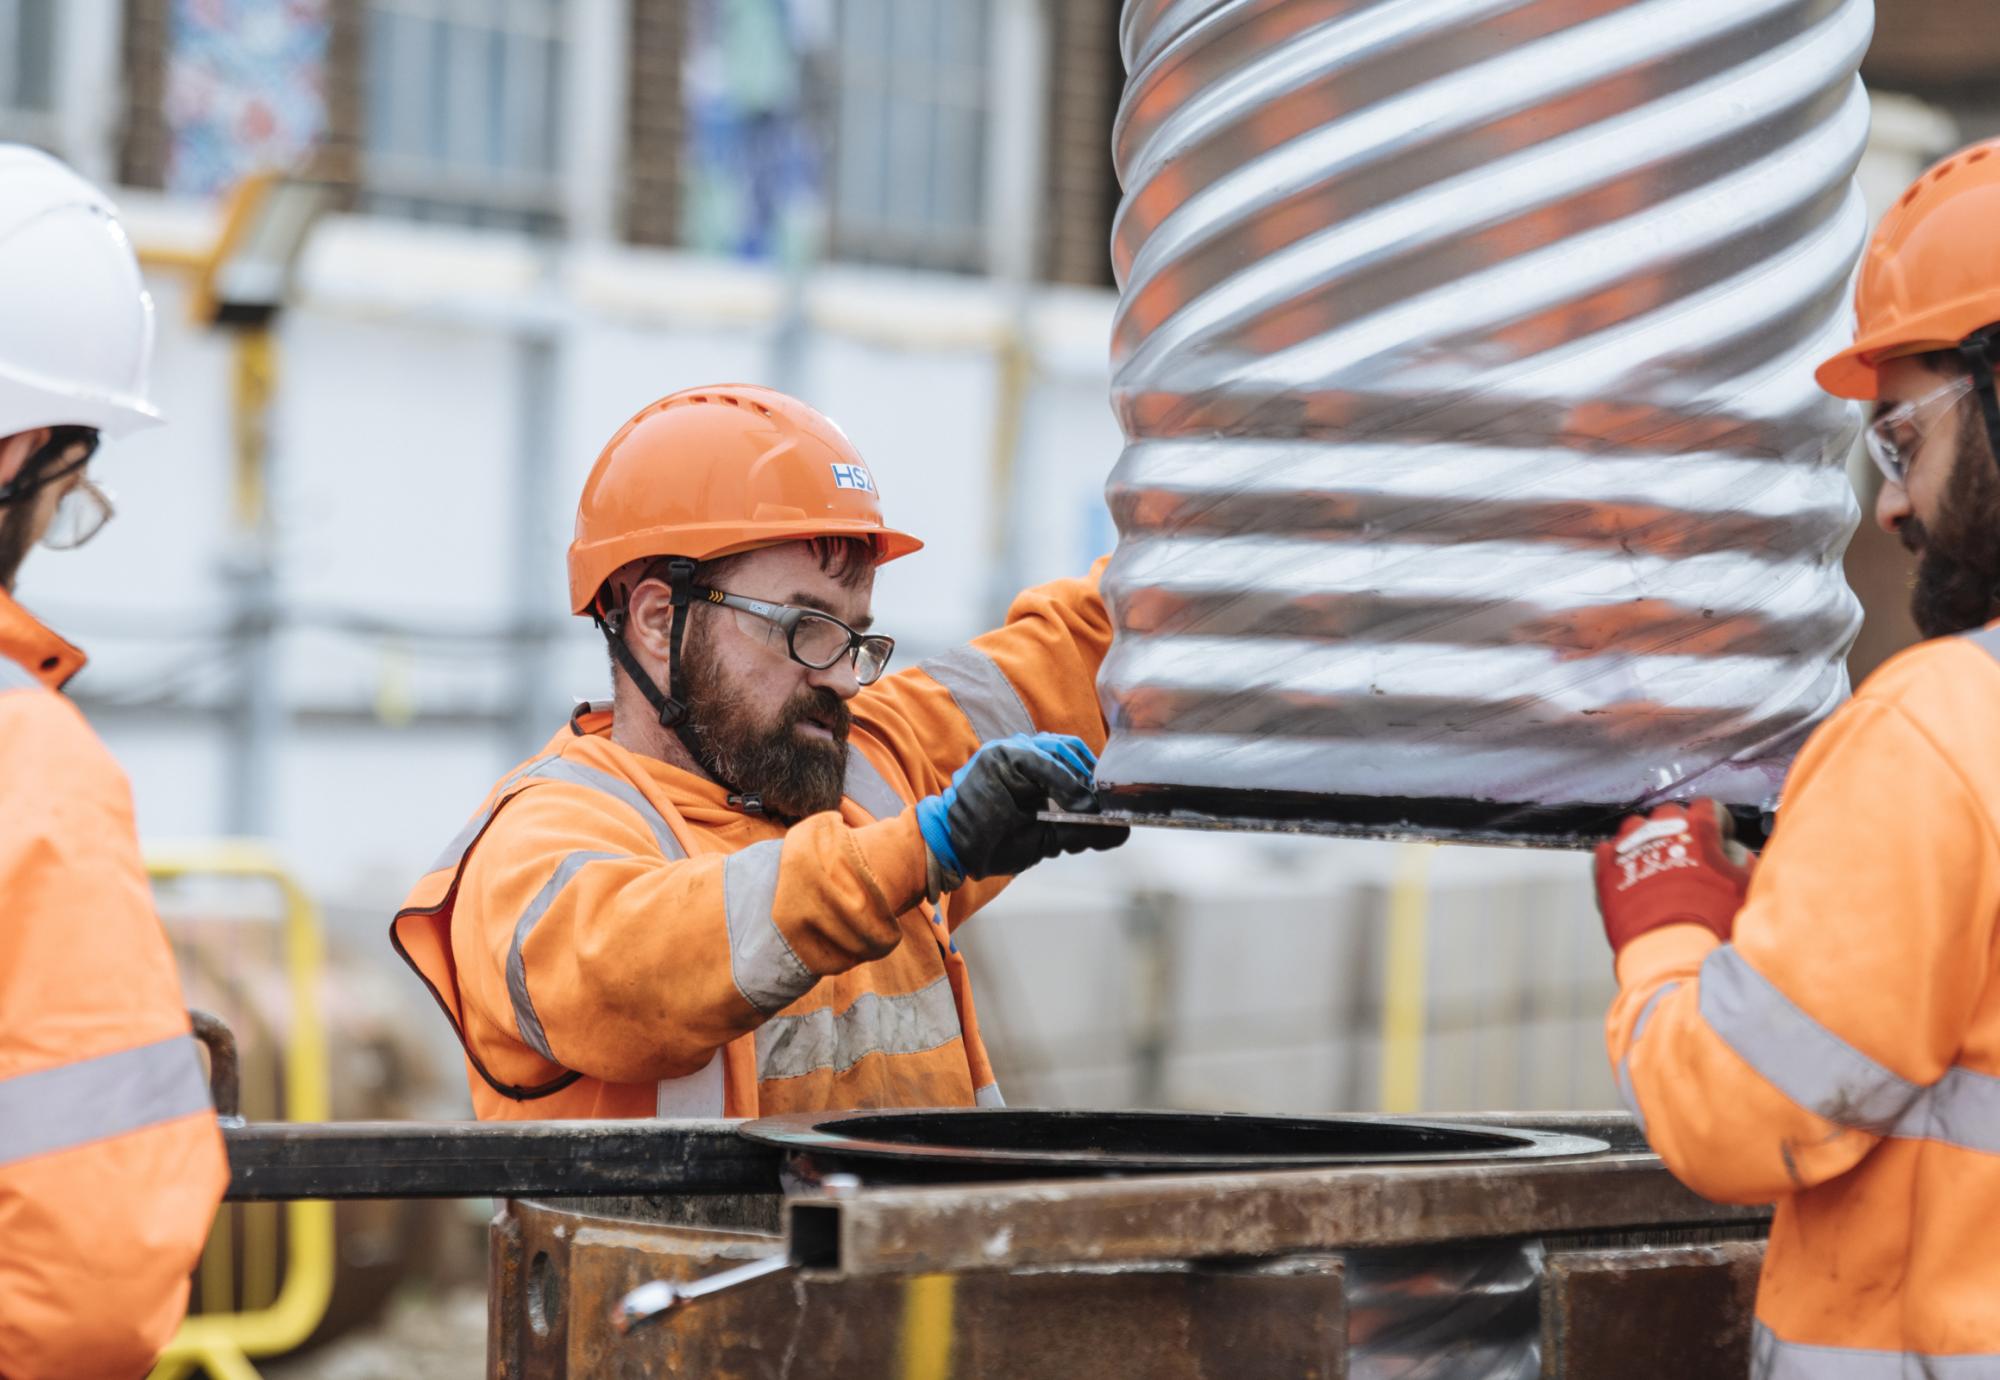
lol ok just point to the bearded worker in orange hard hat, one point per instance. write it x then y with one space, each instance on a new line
1824 1032
732 889
110 1162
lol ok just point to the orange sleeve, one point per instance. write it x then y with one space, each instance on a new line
104 1215
1037 672
577 938
1776 1062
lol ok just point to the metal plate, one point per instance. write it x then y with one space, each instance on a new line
1277 812
1028 1142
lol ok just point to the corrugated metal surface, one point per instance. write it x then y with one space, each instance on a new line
1476 473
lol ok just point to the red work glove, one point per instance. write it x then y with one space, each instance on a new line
1679 865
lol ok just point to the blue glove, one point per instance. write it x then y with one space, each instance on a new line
984 823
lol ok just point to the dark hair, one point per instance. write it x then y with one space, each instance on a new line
847 559
44 465
1941 361
1950 360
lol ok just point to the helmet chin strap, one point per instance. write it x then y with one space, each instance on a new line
1981 353
671 709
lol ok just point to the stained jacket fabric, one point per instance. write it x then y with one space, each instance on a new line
611 939
1841 1056
111 1165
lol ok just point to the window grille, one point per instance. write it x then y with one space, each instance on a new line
462 110
911 111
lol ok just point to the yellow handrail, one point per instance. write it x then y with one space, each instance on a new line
1405 979
222 1343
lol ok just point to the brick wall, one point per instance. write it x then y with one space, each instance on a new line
142 152
654 123
1085 79
1936 49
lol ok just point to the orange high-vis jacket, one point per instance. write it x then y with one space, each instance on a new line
1841 1057
111 1165
611 939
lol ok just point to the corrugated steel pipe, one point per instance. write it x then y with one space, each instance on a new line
1476 478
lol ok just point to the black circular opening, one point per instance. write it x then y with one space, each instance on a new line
1158 1133
1083 1141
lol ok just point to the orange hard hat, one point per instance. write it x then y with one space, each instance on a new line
706 472
1931 277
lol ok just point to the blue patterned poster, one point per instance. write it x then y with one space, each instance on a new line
246 89
754 171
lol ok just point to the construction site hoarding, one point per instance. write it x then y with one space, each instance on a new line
1476 479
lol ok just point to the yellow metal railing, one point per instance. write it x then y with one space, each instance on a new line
1406 980
222 1343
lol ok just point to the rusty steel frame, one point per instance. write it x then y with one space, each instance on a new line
276 1161
1110 1221
271 1161
1644 1280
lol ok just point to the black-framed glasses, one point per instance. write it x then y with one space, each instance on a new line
813 638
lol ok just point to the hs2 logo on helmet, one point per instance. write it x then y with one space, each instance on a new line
854 477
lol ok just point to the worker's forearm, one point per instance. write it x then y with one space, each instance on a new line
1051 647
1723 1129
642 968
1035 673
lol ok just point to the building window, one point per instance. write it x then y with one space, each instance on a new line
27 62
910 132
462 110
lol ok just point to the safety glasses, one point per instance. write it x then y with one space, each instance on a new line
1895 437
80 515
813 639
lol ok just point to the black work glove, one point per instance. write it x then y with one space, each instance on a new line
984 823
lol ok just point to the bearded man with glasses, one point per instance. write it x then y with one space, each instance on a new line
731 889
111 1165
1822 1030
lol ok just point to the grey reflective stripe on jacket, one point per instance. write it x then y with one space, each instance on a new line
1773 1359
1962 1108
1795 1053
15 676
868 788
697 1095
1626 1092
767 972
561 769
95 1099
1987 640
982 692
1829 1077
835 1041
525 1019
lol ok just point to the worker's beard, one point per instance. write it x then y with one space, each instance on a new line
793 775
1957 585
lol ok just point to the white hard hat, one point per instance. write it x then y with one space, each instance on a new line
76 322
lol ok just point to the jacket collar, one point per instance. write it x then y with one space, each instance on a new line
25 639
700 801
